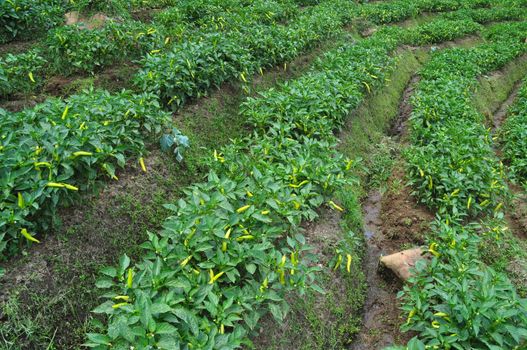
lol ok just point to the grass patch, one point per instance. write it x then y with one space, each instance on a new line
492 90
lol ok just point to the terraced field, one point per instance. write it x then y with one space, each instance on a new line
236 174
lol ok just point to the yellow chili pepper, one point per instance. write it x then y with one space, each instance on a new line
410 315
339 261
432 249
334 205
82 153
348 264
469 202
61 185
116 306
28 236
242 209
21 202
130 278
65 113
185 261
349 164
244 238
30 74
213 277
142 164
122 297
435 324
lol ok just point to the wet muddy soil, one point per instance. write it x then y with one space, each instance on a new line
393 221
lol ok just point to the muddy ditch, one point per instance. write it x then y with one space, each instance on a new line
393 221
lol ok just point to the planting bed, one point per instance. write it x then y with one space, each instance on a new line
227 174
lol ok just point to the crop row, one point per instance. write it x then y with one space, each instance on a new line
455 301
232 248
24 18
513 136
250 41
73 49
191 68
399 10
452 165
51 151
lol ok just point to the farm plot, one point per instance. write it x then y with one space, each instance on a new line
257 224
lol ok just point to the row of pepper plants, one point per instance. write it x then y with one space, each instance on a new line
513 137
233 248
21 19
455 301
190 69
74 49
61 146
252 38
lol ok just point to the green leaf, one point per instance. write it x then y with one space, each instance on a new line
189 318
104 283
276 311
251 268
99 338
159 308
109 271
104 308
416 344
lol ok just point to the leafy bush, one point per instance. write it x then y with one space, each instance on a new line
456 302
22 72
25 18
441 30
193 67
513 136
110 7
60 146
487 15
452 166
73 49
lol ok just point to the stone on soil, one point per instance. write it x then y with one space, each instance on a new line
402 263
